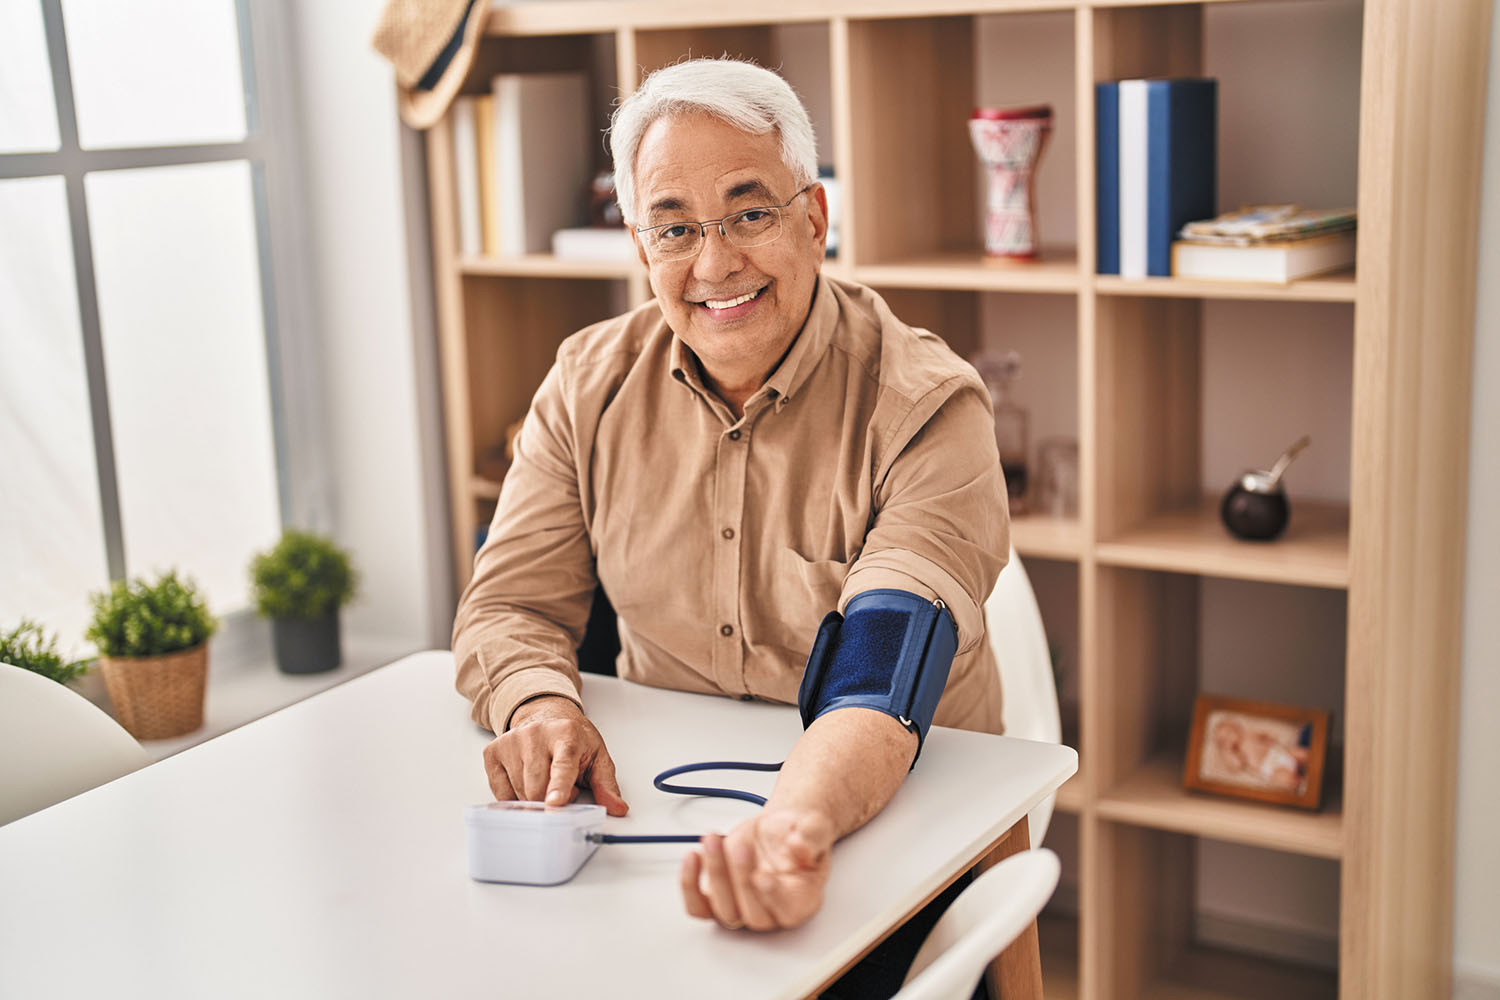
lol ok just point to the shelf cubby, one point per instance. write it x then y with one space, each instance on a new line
1153 949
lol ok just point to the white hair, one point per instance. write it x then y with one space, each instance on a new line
747 96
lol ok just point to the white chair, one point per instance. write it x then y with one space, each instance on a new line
984 919
55 743
1026 681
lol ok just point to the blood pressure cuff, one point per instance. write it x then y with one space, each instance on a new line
890 651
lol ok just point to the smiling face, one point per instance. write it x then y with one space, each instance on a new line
695 167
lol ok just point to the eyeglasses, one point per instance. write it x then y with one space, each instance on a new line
754 227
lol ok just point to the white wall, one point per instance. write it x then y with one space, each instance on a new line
351 146
1476 940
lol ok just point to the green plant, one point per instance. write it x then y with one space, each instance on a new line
140 618
28 647
305 576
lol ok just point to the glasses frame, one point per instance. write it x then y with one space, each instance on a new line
705 223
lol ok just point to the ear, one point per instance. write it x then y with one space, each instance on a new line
817 213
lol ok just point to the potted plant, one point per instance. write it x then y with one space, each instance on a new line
29 648
300 585
153 645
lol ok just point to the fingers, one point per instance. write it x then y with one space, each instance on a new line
535 768
605 785
693 899
494 770
720 889
740 853
562 776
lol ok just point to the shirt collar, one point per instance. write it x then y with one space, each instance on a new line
792 374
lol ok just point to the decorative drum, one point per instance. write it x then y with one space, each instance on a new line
1010 143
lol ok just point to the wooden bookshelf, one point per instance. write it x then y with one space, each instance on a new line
902 75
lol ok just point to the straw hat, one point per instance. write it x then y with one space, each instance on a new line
431 43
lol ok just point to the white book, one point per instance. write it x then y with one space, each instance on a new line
542 157
1279 262
466 179
1134 174
593 243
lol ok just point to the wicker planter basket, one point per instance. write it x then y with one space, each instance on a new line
156 697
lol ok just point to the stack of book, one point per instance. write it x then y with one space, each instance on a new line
522 159
1276 243
1157 143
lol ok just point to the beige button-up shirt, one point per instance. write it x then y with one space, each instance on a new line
867 460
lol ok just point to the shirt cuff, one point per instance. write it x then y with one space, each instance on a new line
522 686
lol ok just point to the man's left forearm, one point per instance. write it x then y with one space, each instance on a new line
847 765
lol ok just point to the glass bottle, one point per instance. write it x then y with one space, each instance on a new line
1012 435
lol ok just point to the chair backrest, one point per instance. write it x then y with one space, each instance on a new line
984 919
1026 680
55 743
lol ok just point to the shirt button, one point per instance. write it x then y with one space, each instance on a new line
726 630
734 435
727 533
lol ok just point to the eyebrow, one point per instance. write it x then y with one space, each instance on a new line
742 190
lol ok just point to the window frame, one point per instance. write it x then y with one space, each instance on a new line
272 148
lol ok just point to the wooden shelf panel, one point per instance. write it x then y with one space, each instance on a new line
1337 287
481 488
1042 537
1154 797
595 16
545 265
1203 973
587 17
1057 935
1314 552
1070 797
1055 272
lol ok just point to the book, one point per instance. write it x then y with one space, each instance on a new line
489 193
1261 223
1157 164
1107 177
543 161
466 177
593 243
1279 261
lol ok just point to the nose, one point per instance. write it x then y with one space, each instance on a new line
718 258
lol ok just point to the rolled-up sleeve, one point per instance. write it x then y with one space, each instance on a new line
523 613
941 527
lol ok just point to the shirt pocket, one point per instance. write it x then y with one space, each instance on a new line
806 590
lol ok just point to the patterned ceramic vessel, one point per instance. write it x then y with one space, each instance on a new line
1010 143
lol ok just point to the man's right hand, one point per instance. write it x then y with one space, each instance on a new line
549 752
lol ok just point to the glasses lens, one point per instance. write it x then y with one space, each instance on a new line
671 242
753 228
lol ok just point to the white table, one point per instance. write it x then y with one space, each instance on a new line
319 852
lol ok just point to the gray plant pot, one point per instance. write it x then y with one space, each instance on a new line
306 647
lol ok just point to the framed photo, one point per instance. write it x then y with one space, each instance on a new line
1257 750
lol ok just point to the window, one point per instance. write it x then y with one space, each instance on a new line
153 358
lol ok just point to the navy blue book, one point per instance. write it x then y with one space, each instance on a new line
1157 169
1182 123
1107 176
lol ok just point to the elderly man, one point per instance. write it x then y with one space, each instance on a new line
758 446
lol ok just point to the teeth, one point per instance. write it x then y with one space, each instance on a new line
731 303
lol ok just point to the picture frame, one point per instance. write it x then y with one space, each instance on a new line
1257 750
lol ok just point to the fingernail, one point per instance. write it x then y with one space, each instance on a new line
554 797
